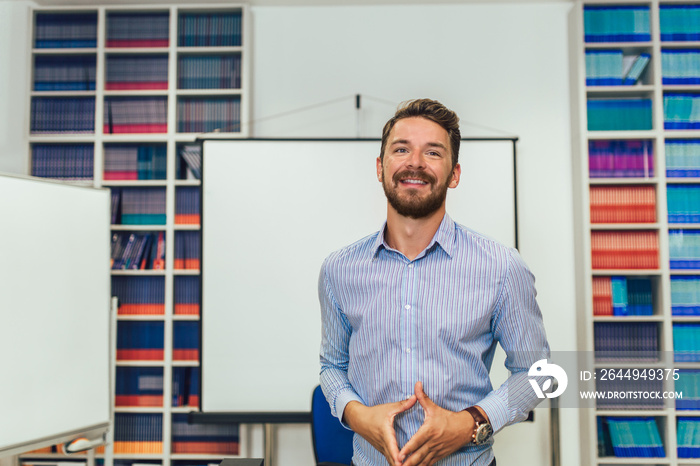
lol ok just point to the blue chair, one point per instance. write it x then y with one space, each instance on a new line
332 442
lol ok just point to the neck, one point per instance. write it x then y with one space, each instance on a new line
411 236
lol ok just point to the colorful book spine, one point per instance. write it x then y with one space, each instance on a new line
138 433
139 206
622 296
683 202
679 22
207 114
616 23
619 114
680 66
681 111
64 73
140 341
210 29
682 158
625 249
626 341
187 205
63 161
688 436
188 250
135 115
620 158
686 342
186 341
685 295
639 64
59 115
139 295
604 67
209 72
635 437
187 295
189 162
684 249
623 204
135 162
688 384
150 29
138 250
602 296
139 386
65 30
203 438
136 72
186 386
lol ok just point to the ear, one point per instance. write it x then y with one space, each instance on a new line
379 169
456 173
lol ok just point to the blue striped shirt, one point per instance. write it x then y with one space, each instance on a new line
388 322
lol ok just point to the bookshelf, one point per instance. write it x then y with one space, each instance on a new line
638 270
119 95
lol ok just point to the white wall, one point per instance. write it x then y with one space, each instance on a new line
14 85
502 65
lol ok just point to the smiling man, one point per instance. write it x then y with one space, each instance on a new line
411 314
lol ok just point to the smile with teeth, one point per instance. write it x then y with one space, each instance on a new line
414 181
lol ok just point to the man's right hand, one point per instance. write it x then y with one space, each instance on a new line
376 424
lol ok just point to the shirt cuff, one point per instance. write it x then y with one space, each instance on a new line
342 401
496 412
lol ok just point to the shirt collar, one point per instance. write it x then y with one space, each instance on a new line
444 237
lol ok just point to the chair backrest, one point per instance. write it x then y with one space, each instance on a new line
332 441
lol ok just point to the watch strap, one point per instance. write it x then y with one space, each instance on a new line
476 414
479 420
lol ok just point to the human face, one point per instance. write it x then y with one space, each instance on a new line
417 167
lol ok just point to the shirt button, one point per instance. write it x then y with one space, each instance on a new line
407 306
408 350
410 266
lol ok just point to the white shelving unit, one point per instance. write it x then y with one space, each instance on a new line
171 139
651 87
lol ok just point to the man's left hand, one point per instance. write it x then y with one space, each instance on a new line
443 432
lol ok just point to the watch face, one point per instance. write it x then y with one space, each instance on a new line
483 433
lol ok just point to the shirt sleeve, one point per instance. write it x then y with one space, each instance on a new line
335 349
517 325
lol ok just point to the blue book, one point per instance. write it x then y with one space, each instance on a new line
637 69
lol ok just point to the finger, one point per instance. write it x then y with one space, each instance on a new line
392 448
414 444
423 399
405 405
421 457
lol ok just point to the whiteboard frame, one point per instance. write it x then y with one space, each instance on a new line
290 417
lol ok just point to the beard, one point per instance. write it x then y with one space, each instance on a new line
412 203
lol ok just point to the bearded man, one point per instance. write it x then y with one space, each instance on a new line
412 314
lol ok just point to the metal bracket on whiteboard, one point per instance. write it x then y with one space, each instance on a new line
300 417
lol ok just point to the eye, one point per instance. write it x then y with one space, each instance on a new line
401 150
434 153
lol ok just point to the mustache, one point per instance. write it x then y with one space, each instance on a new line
413 174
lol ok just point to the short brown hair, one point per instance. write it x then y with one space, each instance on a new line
431 110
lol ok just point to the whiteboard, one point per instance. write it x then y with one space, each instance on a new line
272 211
54 311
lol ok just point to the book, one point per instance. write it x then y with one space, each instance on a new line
637 68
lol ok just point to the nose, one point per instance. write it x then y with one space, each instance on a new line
416 160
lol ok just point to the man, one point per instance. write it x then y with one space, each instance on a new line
411 314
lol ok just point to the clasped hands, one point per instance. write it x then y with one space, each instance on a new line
443 432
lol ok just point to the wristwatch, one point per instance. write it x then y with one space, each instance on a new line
482 428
